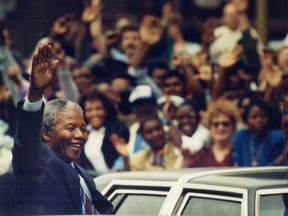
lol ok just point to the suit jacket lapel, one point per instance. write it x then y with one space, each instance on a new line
102 205
73 182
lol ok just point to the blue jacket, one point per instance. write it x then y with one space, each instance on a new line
264 149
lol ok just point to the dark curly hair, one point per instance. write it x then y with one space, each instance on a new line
95 95
263 105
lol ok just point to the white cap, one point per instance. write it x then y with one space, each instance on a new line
141 92
176 100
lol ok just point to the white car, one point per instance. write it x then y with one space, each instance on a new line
202 192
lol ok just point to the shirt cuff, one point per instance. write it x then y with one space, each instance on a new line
137 72
32 107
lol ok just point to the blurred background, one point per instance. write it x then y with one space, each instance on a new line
30 20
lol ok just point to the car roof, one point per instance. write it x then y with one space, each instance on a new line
252 177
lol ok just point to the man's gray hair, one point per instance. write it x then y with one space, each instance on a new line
53 108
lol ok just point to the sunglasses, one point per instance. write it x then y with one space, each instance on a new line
223 123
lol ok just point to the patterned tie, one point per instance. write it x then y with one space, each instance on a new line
87 203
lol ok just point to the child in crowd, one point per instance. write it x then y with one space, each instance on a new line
162 153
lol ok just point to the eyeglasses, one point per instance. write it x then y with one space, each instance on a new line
223 123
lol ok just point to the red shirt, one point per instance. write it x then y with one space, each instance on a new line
206 158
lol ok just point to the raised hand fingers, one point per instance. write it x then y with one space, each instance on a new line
44 54
43 58
49 53
41 55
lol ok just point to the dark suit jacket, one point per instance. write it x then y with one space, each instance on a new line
44 183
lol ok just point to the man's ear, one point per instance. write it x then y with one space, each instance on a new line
45 135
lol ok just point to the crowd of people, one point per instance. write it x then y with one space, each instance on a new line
153 99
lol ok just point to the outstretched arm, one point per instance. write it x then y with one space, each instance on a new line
150 33
43 70
173 130
227 60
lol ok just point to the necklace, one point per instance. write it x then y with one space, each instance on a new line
255 149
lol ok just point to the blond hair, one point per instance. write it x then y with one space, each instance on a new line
221 106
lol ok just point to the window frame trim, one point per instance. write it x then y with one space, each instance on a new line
270 191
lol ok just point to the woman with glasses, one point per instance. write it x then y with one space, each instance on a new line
221 119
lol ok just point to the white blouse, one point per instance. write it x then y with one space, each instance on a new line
93 150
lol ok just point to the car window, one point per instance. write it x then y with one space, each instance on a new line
200 206
133 202
210 202
274 205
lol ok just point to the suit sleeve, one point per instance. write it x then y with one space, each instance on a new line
27 158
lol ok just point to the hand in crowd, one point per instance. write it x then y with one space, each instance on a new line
43 70
150 30
189 158
201 62
176 60
111 38
205 73
270 77
230 58
58 53
92 10
168 108
270 74
13 74
241 6
119 144
168 11
61 25
267 59
200 59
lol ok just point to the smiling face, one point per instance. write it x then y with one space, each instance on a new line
187 120
68 136
95 113
130 42
153 133
221 128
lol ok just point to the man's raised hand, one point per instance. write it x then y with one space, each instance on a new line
43 70
150 30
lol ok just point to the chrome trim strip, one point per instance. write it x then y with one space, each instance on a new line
187 177
201 195
132 191
139 183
